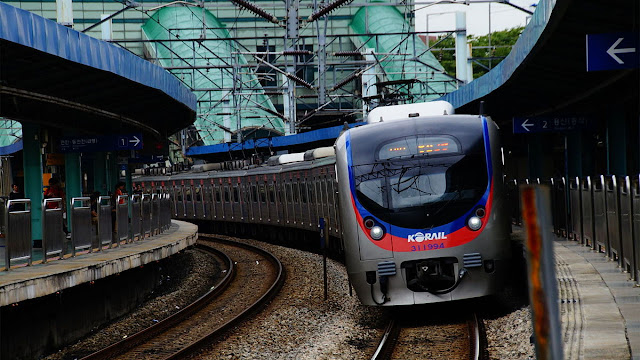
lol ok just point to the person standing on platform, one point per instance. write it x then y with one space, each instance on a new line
16 194
119 190
55 191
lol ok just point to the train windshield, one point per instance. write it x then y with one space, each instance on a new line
422 190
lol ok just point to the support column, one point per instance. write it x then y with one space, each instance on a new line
32 162
616 143
574 154
99 173
73 181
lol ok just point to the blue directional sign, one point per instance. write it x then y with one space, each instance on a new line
100 143
527 125
613 51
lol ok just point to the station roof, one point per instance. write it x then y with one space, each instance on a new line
546 73
59 77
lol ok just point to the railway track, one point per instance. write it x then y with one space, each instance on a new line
403 340
253 277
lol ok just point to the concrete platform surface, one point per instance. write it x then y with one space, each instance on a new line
599 305
38 280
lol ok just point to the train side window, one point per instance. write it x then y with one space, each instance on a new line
303 192
295 192
254 193
263 195
236 194
287 189
179 195
272 195
198 195
310 190
226 194
217 191
279 190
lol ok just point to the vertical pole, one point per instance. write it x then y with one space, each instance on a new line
73 182
543 289
369 83
32 162
461 46
64 12
322 57
106 28
291 38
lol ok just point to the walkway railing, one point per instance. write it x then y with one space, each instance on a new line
600 212
113 226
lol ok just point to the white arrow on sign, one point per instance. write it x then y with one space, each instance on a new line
135 140
612 51
525 125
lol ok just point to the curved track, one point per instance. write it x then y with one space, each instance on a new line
253 277
452 341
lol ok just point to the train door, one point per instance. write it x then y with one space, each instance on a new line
209 199
333 205
261 201
271 198
217 192
226 200
236 204
280 205
173 192
198 200
253 200
188 199
311 196
180 205
304 200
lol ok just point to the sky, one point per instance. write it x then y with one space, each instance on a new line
441 17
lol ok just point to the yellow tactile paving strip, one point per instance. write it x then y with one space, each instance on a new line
44 279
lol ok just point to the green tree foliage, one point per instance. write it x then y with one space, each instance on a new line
485 57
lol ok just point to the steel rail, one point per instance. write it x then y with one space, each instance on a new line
263 300
474 337
387 342
152 331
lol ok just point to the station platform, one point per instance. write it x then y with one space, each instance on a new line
29 282
599 305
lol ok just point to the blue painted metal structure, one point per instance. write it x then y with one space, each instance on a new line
502 72
27 29
275 142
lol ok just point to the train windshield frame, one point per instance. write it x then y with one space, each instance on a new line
422 190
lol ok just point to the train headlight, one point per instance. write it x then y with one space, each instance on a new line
376 232
474 223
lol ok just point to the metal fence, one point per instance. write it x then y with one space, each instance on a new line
122 219
18 246
82 234
53 235
603 214
136 217
105 222
146 215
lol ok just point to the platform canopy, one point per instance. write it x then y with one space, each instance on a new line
59 77
546 71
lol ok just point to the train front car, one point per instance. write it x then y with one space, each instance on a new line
423 209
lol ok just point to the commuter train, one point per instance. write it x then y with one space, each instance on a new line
417 200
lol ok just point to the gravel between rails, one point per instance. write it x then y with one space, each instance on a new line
298 323
186 276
